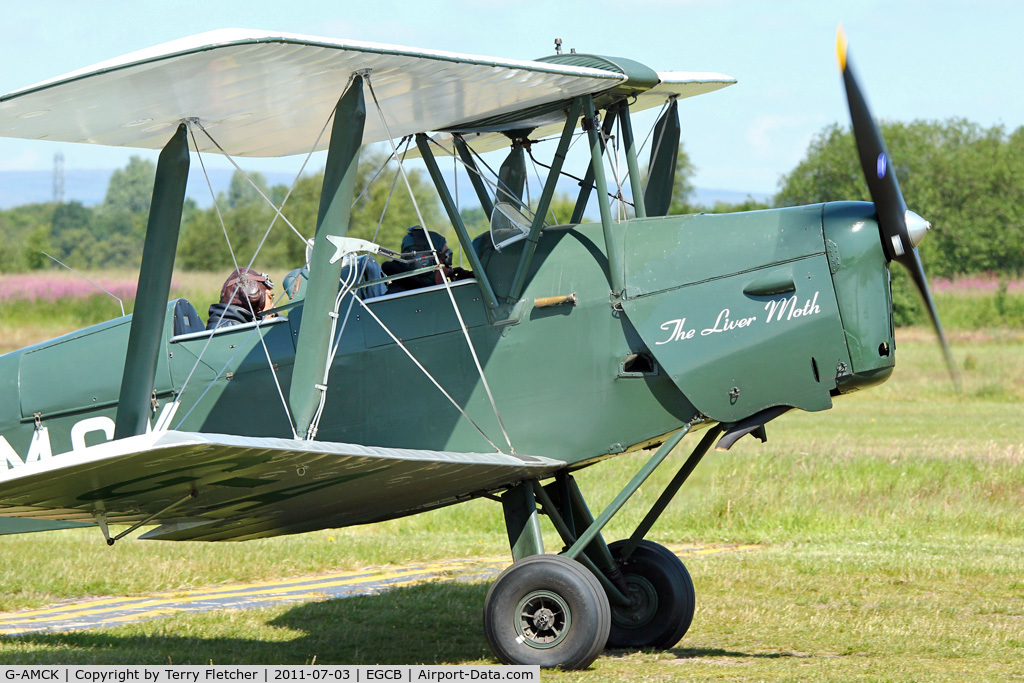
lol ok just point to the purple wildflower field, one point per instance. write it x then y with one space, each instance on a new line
985 283
51 287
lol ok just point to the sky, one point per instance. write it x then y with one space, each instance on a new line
916 59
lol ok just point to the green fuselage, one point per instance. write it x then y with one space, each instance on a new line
573 382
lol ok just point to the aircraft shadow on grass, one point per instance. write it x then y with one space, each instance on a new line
361 630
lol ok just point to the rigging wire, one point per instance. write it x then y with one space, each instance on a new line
494 185
347 286
314 424
567 174
551 210
268 200
444 277
380 170
426 373
234 260
266 234
614 165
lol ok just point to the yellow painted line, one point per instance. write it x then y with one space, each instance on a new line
150 614
726 549
117 604
143 607
241 590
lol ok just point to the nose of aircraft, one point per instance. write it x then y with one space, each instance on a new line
901 229
917 227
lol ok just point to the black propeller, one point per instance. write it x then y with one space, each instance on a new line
901 230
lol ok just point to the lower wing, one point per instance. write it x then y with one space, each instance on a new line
217 487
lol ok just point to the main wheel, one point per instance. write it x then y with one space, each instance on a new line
661 599
547 610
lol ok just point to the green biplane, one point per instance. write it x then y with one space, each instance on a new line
570 343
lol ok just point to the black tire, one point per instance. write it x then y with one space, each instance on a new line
547 610
663 599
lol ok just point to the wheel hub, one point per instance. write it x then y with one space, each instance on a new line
643 603
543 619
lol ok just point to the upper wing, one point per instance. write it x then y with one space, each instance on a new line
271 94
219 487
673 84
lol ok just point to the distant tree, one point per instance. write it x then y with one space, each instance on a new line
247 216
368 212
966 180
682 187
748 204
244 191
475 220
131 188
682 183
37 241
72 236
24 232
828 172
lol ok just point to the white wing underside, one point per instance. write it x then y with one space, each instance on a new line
674 84
268 94
221 487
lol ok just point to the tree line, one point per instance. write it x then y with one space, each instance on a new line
967 180
111 234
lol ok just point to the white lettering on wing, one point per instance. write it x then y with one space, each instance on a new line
38 449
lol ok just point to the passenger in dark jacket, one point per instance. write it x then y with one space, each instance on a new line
245 294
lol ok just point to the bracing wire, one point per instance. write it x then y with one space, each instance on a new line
444 277
614 139
551 210
263 342
493 185
268 200
346 286
427 374
266 351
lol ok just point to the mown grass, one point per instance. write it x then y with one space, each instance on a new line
891 527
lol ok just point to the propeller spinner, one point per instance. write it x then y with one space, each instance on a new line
901 229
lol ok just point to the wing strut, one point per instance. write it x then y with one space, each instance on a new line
639 205
456 219
545 199
597 165
444 279
475 176
134 405
662 175
313 344
587 184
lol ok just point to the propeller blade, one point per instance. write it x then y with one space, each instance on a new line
875 163
917 274
901 230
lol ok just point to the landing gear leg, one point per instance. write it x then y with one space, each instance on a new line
649 589
544 609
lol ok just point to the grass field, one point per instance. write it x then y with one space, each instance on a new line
891 531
